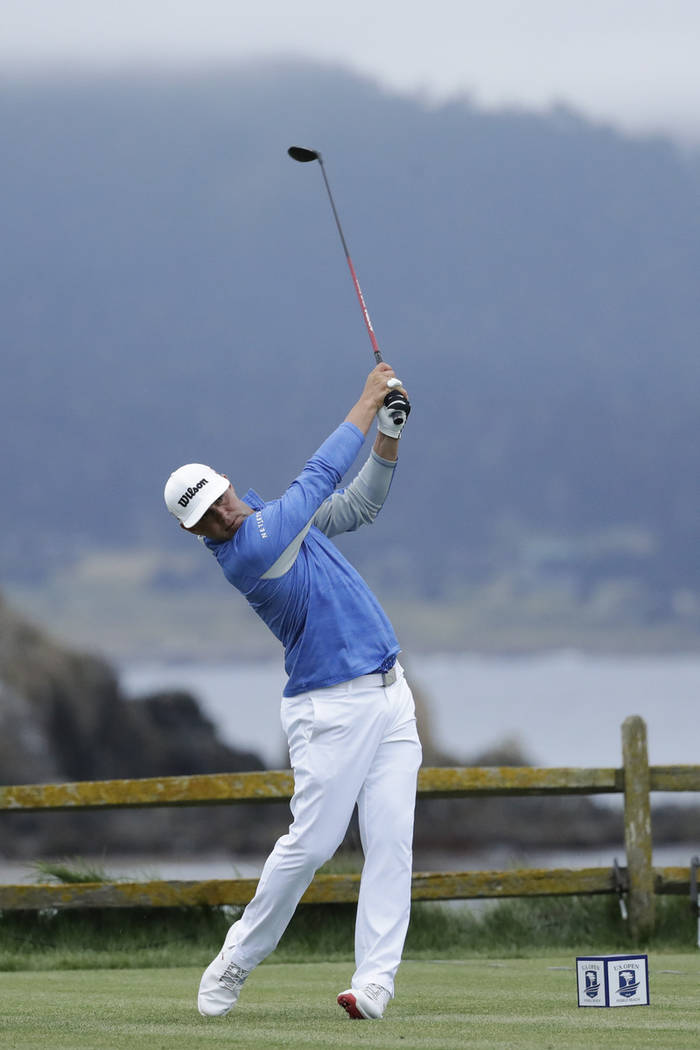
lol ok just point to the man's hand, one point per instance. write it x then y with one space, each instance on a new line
379 382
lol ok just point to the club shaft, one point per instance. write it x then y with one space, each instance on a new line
358 290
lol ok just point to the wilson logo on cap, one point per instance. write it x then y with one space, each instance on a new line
190 492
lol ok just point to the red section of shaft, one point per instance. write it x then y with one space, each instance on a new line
365 312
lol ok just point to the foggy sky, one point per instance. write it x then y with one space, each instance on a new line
630 62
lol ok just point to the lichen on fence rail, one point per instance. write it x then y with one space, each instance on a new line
277 786
330 889
204 789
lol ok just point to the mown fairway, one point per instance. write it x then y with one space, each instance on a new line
528 1004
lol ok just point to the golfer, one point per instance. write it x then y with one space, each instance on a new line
347 710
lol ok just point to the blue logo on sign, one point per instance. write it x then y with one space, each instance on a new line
628 983
592 983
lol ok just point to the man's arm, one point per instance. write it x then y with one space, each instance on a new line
386 447
283 523
360 503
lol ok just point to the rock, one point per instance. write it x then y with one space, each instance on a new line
63 717
25 748
69 706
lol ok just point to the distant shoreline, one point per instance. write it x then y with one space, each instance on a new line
126 623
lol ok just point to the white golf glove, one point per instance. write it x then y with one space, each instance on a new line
392 416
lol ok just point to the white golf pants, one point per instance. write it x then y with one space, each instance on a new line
355 742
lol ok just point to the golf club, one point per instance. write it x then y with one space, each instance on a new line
394 400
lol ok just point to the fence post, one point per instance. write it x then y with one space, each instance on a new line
638 844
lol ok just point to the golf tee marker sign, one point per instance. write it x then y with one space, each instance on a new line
613 980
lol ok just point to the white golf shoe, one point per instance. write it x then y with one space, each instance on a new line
365 1004
220 985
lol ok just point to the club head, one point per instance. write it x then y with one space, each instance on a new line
303 155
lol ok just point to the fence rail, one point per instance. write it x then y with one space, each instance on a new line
277 786
635 780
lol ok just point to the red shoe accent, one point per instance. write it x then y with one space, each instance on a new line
348 1002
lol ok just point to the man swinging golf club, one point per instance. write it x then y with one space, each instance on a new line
347 709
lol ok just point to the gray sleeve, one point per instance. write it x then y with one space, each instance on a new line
360 502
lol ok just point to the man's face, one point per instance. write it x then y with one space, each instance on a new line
221 520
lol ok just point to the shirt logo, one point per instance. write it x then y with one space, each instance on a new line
261 524
190 492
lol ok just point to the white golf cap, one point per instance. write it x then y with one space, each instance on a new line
191 490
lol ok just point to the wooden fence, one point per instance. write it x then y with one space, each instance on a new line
639 881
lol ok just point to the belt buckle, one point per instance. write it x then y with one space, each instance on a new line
389 677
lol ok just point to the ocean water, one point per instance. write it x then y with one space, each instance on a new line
563 708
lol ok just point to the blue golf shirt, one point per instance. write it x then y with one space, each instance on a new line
331 626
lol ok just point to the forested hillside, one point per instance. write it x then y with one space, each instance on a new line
172 288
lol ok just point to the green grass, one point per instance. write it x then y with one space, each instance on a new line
528 1004
111 938
128 939
71 870
501 978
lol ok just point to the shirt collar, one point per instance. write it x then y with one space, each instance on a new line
253 500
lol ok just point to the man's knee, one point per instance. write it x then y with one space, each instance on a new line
307 852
